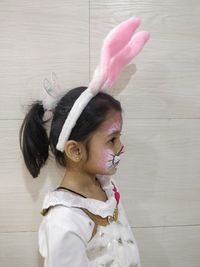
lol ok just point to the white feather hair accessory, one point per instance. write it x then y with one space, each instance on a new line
51 93
120 46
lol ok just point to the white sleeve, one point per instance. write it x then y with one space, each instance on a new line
63 237
65 248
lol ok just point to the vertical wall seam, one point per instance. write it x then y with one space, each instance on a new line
89 44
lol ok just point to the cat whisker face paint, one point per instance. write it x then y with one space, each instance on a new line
109 160
116 158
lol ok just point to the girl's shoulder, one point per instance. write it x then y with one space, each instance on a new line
69 199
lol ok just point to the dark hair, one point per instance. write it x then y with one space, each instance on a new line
33 138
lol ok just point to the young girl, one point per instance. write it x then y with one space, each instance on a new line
84 223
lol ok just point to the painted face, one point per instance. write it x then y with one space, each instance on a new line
106 146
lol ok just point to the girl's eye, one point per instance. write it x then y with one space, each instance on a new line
112 140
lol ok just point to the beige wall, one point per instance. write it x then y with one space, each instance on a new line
159 176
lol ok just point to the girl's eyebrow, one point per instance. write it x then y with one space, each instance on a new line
115 132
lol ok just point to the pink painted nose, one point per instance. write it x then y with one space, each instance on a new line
122 150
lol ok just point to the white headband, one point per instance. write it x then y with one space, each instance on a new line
120 46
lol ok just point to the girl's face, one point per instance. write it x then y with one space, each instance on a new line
106 146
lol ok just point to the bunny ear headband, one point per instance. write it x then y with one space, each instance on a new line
120 46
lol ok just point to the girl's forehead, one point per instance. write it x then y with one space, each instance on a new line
112 123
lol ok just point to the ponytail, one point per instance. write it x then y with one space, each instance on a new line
33 139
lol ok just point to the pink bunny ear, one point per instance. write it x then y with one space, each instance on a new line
117 38
131 50
120 46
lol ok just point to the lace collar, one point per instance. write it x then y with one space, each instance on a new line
55 197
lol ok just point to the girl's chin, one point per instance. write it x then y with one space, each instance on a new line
110 171
113 170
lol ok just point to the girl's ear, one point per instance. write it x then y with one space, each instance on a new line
73 150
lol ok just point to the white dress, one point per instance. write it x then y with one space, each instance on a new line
65 232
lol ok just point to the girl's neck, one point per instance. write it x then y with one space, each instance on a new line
86 185
82 181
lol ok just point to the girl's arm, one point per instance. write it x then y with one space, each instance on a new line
65 248
63 237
